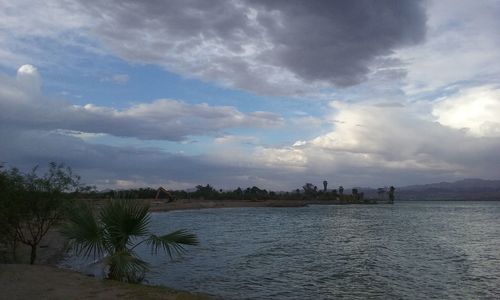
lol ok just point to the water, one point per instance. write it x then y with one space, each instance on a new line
409 250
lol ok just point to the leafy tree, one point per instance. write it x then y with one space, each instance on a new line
254 194
31 205
309 188
112 234
205 192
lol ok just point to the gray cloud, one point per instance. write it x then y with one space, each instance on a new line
457 31
272 47
337 40
22 105
400 150
126 166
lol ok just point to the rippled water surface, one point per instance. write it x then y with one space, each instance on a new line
409 250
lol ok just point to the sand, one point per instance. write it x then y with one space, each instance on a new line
19 281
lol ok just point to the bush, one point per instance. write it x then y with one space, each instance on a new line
31 204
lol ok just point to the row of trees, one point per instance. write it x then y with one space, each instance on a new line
308 192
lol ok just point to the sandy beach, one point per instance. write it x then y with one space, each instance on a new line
46 281
19 281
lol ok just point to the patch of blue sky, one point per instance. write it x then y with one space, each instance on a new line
84 75
191 146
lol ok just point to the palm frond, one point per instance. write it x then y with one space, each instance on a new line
113 231
84 232
126 266
124 219
172 243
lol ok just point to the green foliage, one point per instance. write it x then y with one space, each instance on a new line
114 231
31 204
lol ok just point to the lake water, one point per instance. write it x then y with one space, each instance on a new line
409 250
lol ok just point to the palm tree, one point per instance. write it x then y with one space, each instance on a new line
112 234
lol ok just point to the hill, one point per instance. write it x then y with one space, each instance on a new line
466 189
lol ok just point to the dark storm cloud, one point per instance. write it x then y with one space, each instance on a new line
337 40
265 46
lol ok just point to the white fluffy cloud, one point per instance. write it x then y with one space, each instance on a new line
373 144
163 119
474 110
29 79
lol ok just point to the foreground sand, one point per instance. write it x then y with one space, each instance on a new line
48 282
45 281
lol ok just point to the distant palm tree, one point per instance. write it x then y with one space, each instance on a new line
115 231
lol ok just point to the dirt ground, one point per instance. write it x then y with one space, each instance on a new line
19 281
45 281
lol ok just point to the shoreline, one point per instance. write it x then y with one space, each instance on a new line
185 204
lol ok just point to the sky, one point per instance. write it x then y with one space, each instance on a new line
252 92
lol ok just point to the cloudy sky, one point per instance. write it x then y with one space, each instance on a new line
240 93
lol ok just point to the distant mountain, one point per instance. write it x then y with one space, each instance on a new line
466 189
